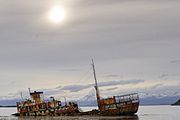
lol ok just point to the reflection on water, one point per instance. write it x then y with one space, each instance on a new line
135 117
145 113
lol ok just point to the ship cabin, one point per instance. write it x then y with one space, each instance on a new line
36 105
119 104
36 96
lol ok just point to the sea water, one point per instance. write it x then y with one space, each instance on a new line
163 112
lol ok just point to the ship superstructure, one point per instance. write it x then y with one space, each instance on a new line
36 106
116 105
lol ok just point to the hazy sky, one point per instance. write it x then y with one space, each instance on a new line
135 45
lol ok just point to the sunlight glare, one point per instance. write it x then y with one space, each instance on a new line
57 14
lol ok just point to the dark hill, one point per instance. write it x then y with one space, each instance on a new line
177 102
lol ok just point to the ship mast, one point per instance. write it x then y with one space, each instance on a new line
96 85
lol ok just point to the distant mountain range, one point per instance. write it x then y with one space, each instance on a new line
9 102
90 100
159 101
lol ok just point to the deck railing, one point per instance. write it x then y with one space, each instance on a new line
127 98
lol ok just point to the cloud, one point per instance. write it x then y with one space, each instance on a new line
51 92
156 86
94 3
77 92
111 76
68 89
119 82
71 69
75 88
114 88
175 61
164 76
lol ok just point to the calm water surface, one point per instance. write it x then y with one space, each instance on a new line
144 113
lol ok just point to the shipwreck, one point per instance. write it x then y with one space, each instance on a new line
112 106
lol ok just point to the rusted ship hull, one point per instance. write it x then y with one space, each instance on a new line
123 111
113 109
130 109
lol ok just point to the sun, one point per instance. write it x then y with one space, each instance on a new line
57 14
